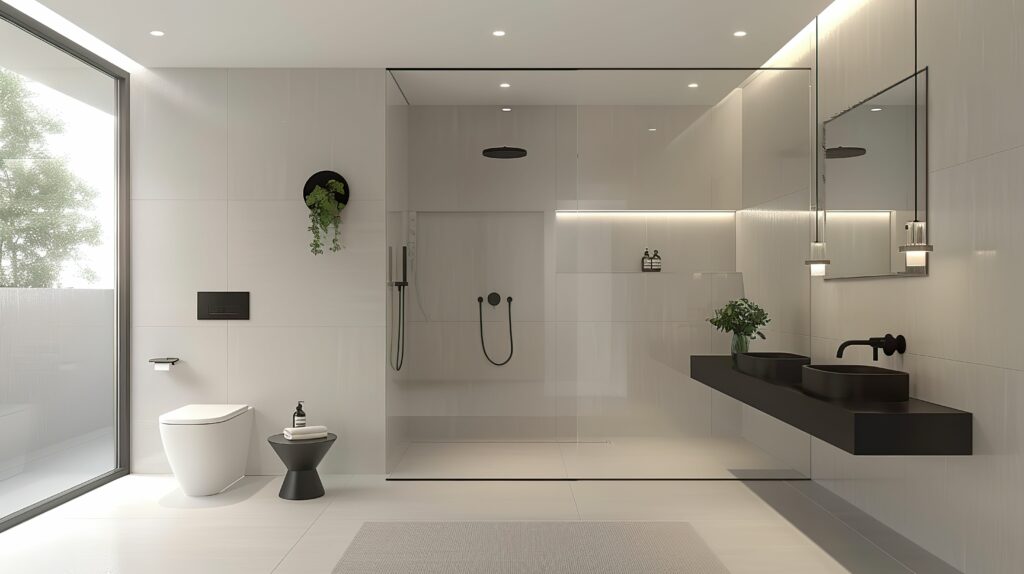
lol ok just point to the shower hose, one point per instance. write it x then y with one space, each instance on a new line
511 341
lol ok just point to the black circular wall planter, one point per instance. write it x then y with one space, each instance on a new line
321 178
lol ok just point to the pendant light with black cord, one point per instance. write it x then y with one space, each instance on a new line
917 247
818 257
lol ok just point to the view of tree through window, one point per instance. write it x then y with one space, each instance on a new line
44 206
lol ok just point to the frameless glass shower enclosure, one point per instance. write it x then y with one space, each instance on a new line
558 239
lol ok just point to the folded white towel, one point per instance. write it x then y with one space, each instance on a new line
305 430
289 436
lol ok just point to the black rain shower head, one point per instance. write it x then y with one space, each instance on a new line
504 152
844 152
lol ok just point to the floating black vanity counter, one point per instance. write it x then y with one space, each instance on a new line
912 427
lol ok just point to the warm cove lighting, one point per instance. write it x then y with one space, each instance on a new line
65 28
611 213
860 213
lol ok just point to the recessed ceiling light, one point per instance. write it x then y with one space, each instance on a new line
157 33
693 85
504 85
652 129
506 109
498 33
876 109
739 33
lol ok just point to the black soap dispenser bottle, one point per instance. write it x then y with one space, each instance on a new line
299 416
656 262
646 263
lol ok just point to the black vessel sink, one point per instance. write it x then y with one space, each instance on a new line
778 368
856 383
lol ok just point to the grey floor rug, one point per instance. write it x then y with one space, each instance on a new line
528 547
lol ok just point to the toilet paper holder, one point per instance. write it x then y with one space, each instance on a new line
164 363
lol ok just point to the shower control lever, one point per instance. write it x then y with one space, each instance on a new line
493 299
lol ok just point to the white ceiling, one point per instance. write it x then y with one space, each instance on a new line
443 33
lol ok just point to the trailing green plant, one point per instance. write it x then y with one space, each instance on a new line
742 318
325 215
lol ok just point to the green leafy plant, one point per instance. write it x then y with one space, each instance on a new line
743 318
325 215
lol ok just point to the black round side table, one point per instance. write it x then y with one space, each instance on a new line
301 457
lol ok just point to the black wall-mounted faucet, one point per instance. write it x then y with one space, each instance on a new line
888 344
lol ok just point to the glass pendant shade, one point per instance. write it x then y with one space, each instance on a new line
916 248
818 260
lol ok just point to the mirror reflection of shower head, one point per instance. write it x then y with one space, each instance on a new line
504 152
844 152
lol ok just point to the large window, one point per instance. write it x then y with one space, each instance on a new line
61 306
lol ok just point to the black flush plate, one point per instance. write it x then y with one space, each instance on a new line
221 305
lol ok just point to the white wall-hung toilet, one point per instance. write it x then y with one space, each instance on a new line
207 445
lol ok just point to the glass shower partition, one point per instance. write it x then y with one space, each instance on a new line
637 209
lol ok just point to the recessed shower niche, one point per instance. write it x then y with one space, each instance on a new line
616 162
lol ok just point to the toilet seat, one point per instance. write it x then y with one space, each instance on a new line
202 414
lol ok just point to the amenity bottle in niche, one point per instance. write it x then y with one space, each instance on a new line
299 416
646 263
656 262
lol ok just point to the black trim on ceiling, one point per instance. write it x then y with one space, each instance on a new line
737 479
400 90
584 69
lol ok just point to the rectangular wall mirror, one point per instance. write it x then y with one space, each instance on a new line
875 181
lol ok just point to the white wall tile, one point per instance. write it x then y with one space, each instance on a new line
179 134
974 51
285 125
179 247
445 161
268 245
459 257
201 376
624 166
271 368
777 133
